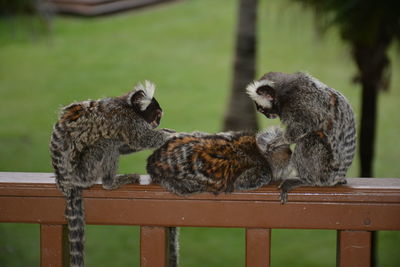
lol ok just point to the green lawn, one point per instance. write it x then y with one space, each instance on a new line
186 48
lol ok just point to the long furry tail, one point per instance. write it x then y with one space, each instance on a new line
76 226
173 246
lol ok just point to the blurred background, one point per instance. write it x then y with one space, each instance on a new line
199 54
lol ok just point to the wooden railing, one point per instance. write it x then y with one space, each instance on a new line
354 210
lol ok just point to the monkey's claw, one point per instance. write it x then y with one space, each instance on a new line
283 197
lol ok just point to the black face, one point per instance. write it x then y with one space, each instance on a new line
270 113
268 93
152 114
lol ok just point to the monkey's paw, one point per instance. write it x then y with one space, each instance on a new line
283 197
341 181
168 130
287 185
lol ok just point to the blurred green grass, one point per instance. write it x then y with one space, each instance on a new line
186 48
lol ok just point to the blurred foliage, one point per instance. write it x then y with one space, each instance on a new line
359 20
12 7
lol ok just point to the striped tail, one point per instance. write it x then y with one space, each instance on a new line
173 246
76 226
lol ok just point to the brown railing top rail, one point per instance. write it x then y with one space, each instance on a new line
361 204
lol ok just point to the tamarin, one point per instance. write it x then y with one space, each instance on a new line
318 119
86 143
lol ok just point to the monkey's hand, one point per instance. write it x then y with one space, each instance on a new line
126 149
167 130
119 180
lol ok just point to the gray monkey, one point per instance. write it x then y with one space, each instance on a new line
318 119
86 143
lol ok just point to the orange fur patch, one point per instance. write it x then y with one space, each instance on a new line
72 113
320 134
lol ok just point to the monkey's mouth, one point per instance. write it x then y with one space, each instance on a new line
156 120
267 112
271 115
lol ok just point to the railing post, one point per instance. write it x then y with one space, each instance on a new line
258 247
153 246
353 248
54 250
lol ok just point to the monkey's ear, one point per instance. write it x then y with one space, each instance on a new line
266 91
142 95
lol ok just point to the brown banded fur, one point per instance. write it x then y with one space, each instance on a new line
200 162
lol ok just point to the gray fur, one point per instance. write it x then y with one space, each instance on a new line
320 121
85 146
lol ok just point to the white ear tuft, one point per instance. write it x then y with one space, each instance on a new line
148 89
261 100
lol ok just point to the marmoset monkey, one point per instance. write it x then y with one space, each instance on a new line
318 119
87 141
199 162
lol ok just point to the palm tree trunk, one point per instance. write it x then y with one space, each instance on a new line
372 62
241 113
369 100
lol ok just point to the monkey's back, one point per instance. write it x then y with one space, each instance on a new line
343 132
203 162
82 125
331 117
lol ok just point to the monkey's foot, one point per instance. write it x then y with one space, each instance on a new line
286 186
283 197
341 181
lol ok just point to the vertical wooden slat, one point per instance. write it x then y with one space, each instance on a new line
53 245
153 246
258 247
353 248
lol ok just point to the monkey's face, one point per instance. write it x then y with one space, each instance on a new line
276 153
152 114
144 104
270 113
271 140
264 97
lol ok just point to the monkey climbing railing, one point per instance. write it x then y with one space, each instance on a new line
354 210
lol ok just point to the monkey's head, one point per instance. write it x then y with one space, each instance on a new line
142 100
272 145
264 92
